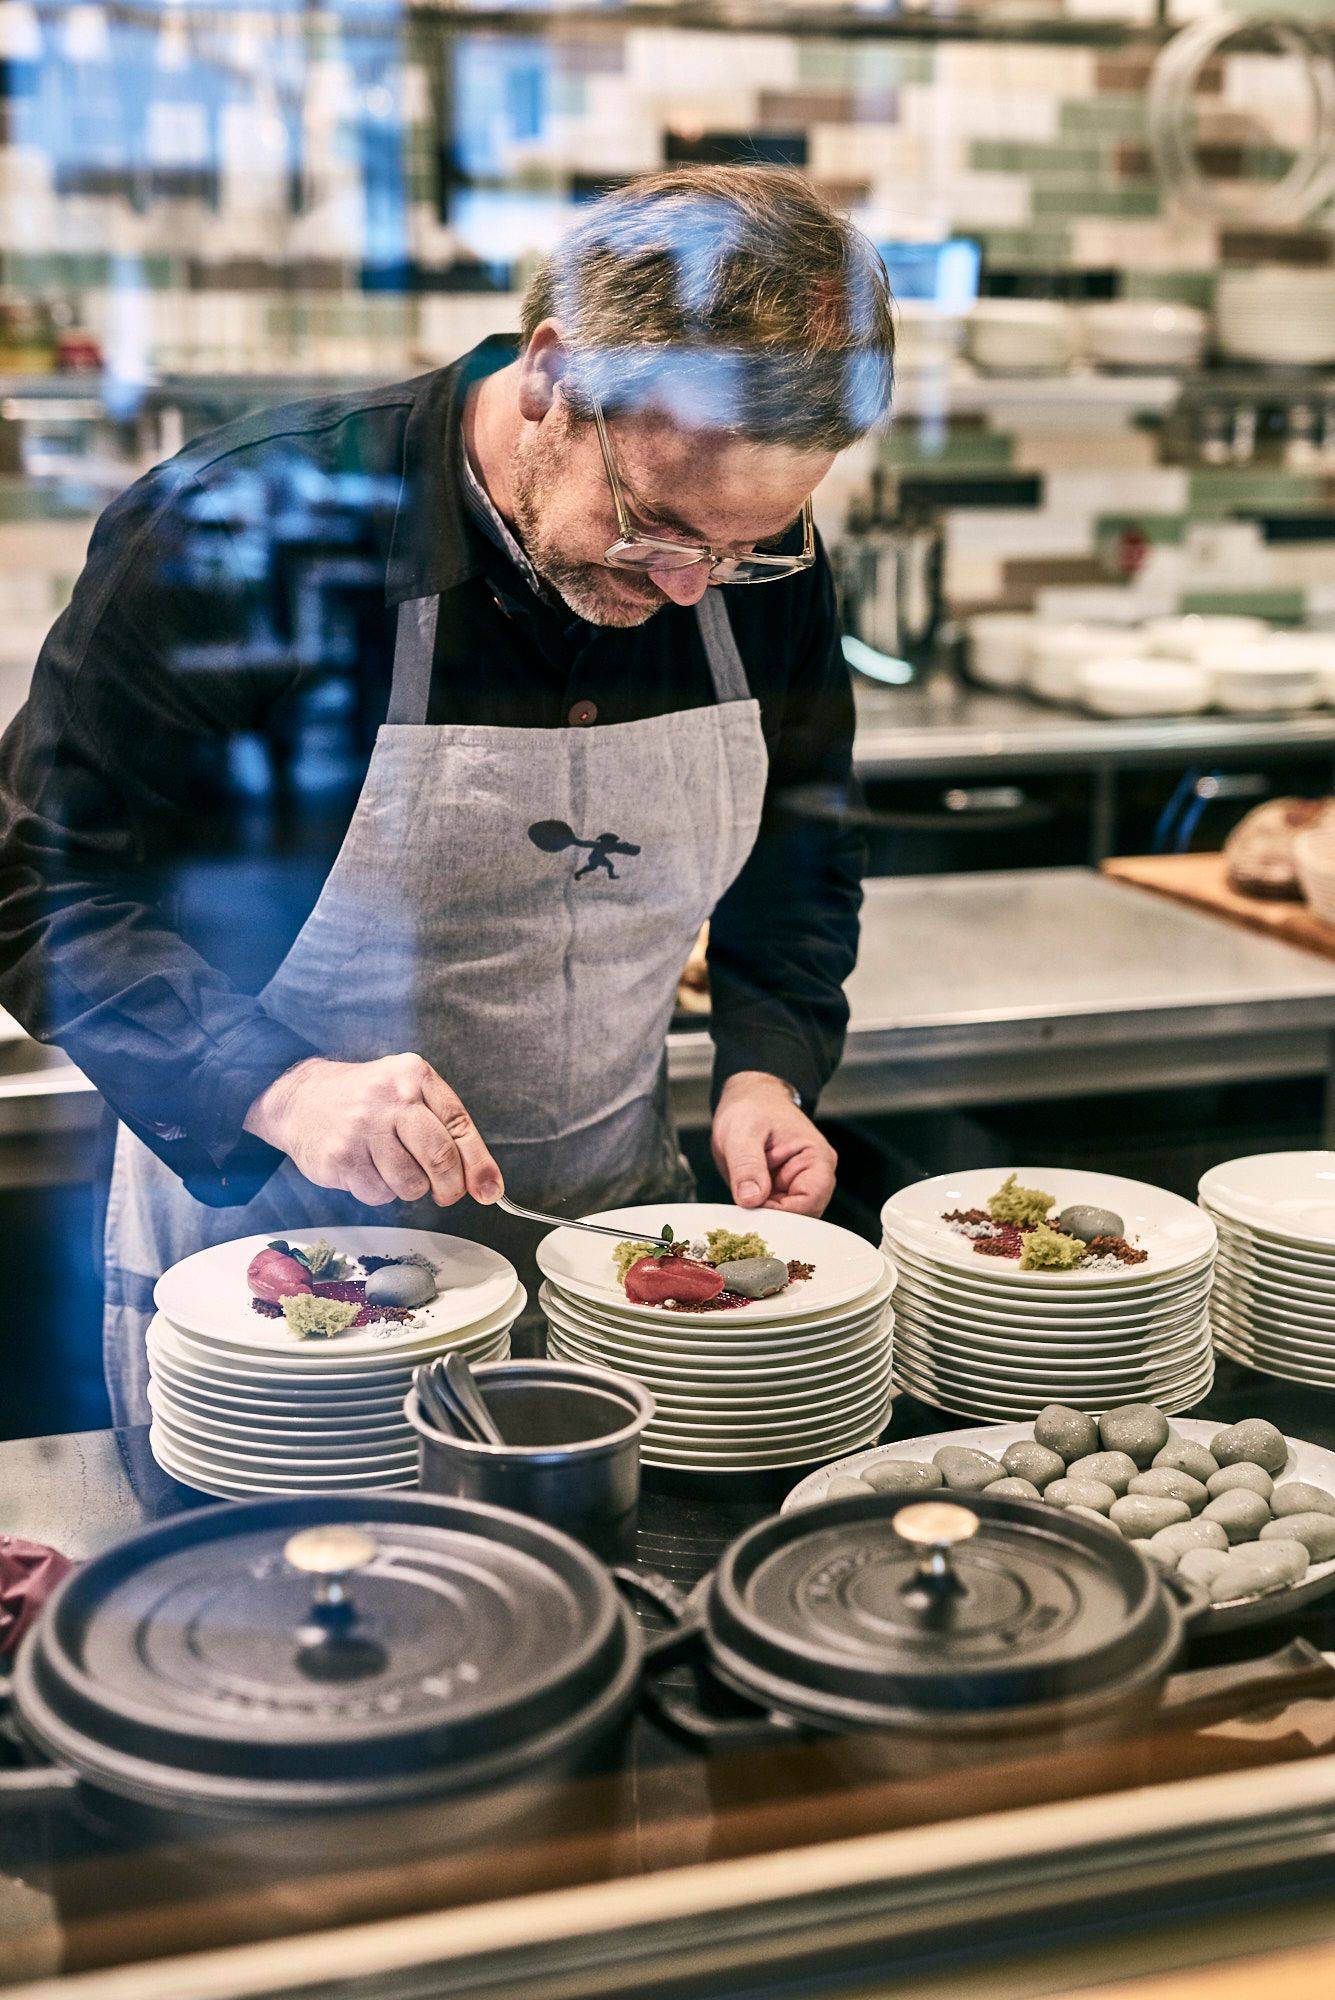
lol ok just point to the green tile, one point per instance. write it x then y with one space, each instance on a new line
1118 116
863 65
1187 288
1014 156
1282 605
1052 202
1215 492
1163 530
958 448
1027 249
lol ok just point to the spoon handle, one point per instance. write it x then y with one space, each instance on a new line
557 1221
460 1380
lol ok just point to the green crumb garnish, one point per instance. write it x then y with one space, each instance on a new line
626 1254
1047 1249
312 1318
1013 1203
728 1246
322 1260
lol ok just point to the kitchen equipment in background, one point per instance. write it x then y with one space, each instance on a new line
1274 1292
1058 653
978 1335
998 647
1022 336
1176 133
571 1451
890 564
1308 1462
1314 859
1142 333
941 272
327 1612
1278 313
1143 686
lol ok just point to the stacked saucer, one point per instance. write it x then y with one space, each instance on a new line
976 1334
1274 1288
241 1405
765 1384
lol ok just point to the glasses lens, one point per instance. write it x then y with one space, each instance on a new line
652 555
743 569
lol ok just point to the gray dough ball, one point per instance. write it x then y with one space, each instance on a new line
1241 1479
1184 1535
1260 1567
1162 1483
1070 1433
1021 1489
754 1277
1088 1494
1092 1514
1081 1220
1139 1515
401 1285
1033 1462
1240 1514
966 1470
1201 1565
1296 1496
847 1486
1316 1532
1111 1468
1252 1442
1181 1455
901 1475
1135 1428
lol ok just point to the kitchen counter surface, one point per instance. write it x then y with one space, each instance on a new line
945 727
683 1855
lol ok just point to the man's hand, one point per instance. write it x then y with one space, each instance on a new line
768 1150
383 1131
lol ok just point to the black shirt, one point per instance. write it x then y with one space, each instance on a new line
176 788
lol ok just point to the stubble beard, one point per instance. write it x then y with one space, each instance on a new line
589 590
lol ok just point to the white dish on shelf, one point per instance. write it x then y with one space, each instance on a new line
1289 1194
1144 686
1262 679
1021 336
1142 333
1194 634
999 644
1059 653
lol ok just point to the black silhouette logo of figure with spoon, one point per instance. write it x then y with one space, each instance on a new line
553 836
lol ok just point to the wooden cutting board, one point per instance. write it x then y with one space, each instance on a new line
1198 879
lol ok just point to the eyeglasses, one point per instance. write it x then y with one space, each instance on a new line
637 551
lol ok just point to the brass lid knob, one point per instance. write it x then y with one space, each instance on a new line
936 1524
334 1549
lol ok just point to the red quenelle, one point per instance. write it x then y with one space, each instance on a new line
274 1276
653 1280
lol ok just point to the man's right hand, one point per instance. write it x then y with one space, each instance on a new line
389 1130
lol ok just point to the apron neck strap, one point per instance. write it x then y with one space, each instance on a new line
415 649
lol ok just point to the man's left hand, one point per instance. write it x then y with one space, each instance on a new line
768 1150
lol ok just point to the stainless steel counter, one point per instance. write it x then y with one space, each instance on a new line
970 989
1010 987
941 727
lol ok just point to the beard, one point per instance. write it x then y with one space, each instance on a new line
593 592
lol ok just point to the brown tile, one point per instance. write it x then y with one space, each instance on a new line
784 109
1023 575
845 194
1129 69
1275 246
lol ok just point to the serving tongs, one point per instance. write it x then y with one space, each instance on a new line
559 1221
449 1398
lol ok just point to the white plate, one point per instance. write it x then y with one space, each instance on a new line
692 1459
1015 1294
1265 1363
770 1435
741 1380
757 1351
284 1372
207 1294
193 1469
1284 1324
693 1330
279 1431
240 1462
942 1396
1263 1298
1294 1341
1282 1261
845 1265
1107 1390
1031 1367
1288 1195
1174 1232
1057 1335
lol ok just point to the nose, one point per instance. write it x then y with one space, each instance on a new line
683 586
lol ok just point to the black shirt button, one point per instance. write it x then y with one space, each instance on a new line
583 712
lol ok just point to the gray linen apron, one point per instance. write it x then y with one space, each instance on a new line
515 905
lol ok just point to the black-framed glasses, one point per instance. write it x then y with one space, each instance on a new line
635 550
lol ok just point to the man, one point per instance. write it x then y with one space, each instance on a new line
580 752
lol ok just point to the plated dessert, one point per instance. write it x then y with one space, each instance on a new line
321 1292
1019 1223
717 1272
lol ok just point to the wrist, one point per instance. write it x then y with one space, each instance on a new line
759 1083
269 1109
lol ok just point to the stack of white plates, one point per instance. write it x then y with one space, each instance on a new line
1274 1289
767 1384
1277 313
977 1335
242 1406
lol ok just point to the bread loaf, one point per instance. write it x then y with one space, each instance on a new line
1258 854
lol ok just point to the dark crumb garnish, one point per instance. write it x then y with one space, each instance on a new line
722 1302
1008 1241
969 1215
352 1291
797 1271
1116 1246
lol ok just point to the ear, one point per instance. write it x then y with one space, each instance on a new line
541 367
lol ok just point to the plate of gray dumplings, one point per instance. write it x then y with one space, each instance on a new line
1242 1512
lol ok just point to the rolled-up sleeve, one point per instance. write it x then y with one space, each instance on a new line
784 937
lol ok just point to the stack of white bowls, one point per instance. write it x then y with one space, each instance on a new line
1022 336
1137 685
240 1405
999 643
977 1335
1142 333
783 1381
1283 672
1192 635
1274 1290
1277 313
1058 654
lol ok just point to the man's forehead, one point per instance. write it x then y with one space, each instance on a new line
713 483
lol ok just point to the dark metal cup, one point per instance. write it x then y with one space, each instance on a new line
571 1456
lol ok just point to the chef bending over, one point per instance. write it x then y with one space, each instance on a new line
572 615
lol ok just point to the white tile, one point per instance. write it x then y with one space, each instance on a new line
864 152
1103 448
1019 531
989 201
1008 69
1117 491
683 62
1143 243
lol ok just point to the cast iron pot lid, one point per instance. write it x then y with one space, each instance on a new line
894 1609
317 1651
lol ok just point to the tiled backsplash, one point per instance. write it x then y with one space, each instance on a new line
269 190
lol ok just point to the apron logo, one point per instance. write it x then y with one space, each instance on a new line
553 836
